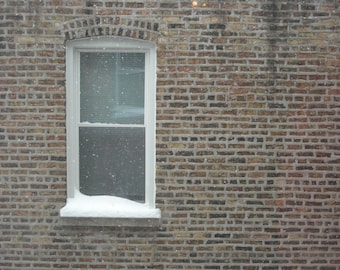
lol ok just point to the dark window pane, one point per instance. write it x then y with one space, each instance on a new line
112 87
112 162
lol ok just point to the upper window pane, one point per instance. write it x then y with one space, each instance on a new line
112 87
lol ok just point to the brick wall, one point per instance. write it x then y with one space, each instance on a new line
248 148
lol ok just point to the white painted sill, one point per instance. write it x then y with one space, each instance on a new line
108 211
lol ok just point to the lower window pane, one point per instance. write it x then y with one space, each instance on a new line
112 162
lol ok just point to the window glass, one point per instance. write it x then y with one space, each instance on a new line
112 87
112 161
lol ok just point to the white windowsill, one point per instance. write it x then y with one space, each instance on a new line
108 210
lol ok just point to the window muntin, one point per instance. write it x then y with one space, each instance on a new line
111 119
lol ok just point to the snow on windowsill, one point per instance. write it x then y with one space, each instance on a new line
106 207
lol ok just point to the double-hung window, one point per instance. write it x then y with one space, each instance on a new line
110 128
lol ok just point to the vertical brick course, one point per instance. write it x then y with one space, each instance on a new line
247 135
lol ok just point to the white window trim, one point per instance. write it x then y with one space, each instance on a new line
79 205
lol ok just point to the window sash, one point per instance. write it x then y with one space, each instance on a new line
112 87
108 157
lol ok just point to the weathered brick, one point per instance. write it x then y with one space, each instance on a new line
247 128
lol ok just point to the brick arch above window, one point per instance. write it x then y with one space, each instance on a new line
111 26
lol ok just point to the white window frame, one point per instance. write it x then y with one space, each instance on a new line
74 198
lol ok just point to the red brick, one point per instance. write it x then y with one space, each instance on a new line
247 128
